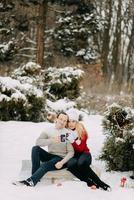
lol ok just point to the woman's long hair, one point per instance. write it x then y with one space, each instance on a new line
81 131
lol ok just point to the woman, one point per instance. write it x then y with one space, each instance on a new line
79 165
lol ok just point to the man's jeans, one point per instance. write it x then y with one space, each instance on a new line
47 163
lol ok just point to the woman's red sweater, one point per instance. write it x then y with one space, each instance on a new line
82 147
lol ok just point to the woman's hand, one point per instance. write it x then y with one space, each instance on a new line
72 137
59 165
78 142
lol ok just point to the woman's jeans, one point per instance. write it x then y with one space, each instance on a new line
42 162
79 165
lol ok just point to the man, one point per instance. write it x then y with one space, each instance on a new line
59 152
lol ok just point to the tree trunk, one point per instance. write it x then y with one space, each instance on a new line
116 61
106 40
41 22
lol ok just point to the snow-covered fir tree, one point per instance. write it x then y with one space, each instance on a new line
20 101
76 33
118 149
63 82
23 95
7 50
54 82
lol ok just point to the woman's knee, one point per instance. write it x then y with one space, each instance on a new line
71 163
81 164
85 160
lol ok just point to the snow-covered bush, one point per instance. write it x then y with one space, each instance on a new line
55 83
7 51
118 149
62 82
29 69
28 73
61 105
6 6
20 101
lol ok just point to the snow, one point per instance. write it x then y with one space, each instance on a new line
18 96
119 140
61 104
67 71
16 141
87 18
81 52
4 97
5 47
28 67
8 83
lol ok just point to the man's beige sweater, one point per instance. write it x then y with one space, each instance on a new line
63 149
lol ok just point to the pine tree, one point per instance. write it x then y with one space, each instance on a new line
118 149
76 33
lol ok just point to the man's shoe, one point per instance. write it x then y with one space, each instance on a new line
132 177
27 182
24 182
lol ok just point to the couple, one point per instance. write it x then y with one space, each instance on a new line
72 154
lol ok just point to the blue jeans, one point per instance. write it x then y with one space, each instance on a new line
79 165
42 162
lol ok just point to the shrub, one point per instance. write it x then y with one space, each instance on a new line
62 82
7 51
118 149
55 83
20 101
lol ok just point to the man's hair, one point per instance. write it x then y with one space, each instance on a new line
63 113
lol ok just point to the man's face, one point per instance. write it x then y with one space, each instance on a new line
61 121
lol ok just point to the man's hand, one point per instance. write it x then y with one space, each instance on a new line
56 139
59 165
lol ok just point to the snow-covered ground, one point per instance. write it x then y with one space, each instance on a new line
16 141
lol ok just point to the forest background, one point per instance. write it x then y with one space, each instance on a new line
95 36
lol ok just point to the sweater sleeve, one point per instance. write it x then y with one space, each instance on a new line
70 153
43 140
81 147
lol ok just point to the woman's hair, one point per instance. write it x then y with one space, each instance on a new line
81 131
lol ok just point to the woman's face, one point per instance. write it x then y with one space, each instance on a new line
72 124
